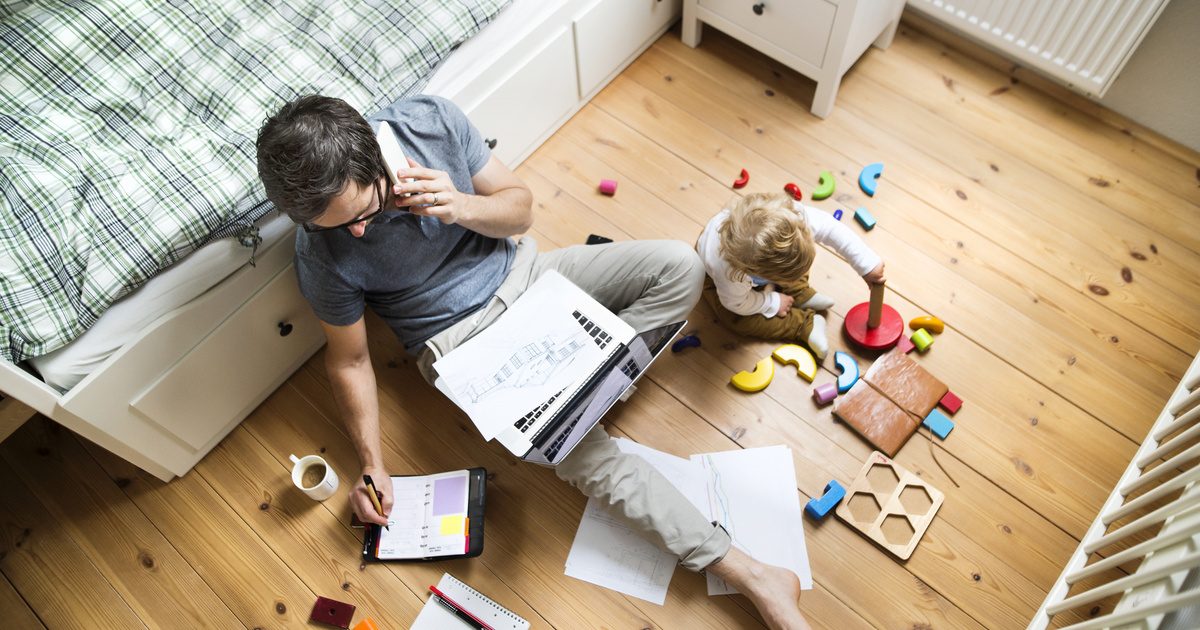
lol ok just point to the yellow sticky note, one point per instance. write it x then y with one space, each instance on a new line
452 525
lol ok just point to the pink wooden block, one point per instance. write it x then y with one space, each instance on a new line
824 393
905 344
608 186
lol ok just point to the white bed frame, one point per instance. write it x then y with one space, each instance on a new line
169 396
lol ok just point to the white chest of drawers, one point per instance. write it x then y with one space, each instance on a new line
820 39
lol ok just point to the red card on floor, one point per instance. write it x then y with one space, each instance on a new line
332 612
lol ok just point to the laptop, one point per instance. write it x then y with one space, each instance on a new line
547 438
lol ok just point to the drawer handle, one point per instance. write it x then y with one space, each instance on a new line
285 329
758 8
490 142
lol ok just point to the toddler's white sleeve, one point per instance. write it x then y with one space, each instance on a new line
835 234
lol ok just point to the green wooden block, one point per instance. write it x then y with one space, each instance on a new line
922 340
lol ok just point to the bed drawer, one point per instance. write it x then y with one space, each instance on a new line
535 96
235 367
610 31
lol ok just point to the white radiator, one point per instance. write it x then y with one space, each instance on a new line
1082 43
1158 496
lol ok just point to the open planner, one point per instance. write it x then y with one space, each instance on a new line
434 517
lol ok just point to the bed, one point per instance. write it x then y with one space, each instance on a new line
168 368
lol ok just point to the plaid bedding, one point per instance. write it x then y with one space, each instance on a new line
127 129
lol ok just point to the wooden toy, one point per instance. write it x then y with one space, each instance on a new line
819 507
869 177
905 344
865 219
824 393
849 371
837 214
743 180
824 187
883 424
890 401
806 365
366 624
794 191
906 383
951 403
873 325
937 422
928 322
757 380
890 505
689 341
922 340
608 186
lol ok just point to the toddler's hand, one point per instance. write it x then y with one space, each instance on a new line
875 276
785 304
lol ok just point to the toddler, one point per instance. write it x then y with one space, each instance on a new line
758 255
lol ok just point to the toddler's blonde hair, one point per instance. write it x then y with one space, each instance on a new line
765 236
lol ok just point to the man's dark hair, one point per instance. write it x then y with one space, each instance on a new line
310 150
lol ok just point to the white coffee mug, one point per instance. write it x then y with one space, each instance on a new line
323 489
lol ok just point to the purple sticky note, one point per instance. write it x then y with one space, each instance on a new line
449 495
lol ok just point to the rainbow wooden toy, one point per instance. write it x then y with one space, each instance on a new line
869 177
824 187
757 380
865 219
806 365
874 325
849 369
922 340
928 322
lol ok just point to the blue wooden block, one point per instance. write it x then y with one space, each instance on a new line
818 508
939 423
690 341
869 176
865 218
837 214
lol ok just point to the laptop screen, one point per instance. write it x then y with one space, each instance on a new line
586 410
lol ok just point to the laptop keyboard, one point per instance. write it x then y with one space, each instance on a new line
598 335
552 450
527 420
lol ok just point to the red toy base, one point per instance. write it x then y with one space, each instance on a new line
882 337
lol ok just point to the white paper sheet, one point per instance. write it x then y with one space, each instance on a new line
752 492
544 345
609 554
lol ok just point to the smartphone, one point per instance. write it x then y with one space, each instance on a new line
393 155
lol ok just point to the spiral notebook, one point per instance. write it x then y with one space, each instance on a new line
434 617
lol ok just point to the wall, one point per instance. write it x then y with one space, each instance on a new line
1160 86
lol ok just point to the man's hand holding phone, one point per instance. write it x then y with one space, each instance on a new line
429 192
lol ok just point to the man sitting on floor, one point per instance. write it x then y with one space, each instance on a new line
433 258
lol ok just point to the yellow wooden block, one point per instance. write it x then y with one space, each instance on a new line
806 365
928 322
757 380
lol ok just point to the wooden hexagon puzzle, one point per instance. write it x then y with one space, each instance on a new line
890 505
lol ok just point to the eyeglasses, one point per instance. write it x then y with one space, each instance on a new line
312 227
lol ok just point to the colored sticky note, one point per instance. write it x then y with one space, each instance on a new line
450 495
452 525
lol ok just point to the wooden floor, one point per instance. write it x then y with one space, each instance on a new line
1059 244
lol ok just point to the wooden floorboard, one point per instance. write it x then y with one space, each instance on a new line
1057 240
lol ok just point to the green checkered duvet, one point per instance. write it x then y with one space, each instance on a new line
127 129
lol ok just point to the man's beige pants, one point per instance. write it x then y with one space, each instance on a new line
647 284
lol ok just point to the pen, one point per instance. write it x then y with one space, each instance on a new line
375 498
459 611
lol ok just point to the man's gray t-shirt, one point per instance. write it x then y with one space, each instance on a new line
418 274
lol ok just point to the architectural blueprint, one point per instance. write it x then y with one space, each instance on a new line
530 361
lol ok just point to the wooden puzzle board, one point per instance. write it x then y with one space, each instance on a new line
890 505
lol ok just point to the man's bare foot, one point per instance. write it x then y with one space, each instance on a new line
773 590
